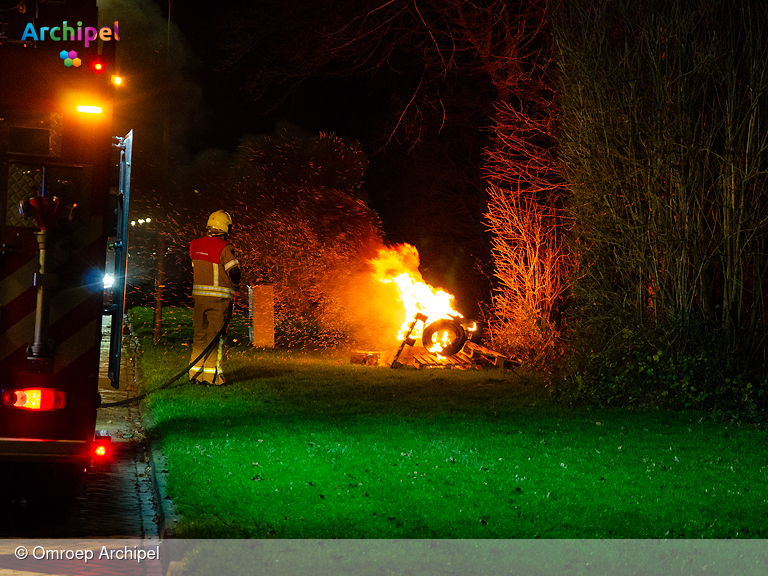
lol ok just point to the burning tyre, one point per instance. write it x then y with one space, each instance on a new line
445 336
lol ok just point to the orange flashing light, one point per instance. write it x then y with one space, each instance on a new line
39 399
89 109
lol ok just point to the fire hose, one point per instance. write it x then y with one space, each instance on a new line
165 385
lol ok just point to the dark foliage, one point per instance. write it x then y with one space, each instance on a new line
665 149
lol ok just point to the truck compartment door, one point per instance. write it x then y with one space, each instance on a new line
117 308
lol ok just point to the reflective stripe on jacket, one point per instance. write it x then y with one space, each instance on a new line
212 259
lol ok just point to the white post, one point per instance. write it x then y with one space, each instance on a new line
261 311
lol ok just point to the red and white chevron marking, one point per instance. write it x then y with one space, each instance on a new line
75 311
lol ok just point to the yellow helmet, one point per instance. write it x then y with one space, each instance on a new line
219 223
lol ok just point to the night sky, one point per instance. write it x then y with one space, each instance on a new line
212 110
228 111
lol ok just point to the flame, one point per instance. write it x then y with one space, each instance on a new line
399 265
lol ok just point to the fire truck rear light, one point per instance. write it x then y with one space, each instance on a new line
102 441
41 399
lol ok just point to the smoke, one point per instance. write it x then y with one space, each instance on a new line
370 309
152 59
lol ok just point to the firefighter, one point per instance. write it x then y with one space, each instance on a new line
216 280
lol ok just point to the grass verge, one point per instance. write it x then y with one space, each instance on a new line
307 445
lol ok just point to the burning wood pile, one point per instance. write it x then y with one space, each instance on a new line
433 334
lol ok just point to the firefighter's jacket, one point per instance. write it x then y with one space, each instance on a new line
213 260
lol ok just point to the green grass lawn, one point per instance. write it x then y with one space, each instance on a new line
307 445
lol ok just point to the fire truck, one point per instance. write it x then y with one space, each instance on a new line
64 196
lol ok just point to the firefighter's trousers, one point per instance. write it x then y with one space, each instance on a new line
209 316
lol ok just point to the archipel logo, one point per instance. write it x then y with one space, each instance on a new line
70 58
67 33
